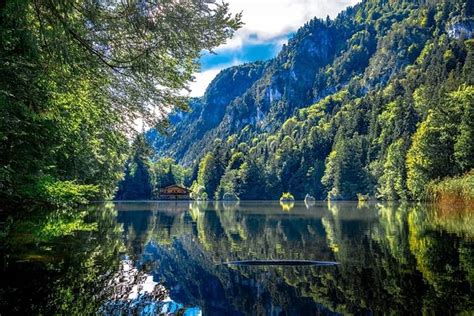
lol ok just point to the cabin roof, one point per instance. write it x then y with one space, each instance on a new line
176 186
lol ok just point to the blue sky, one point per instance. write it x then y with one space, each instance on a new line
247 53
268 25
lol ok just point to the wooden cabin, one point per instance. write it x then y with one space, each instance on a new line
174 192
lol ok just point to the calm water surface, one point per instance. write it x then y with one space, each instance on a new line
149 258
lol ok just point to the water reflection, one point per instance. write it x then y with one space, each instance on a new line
147 258
57 262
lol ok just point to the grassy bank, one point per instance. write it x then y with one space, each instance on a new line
453 192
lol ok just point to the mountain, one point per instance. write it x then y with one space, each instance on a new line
378 101
190 130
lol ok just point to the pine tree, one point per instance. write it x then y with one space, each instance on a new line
137 184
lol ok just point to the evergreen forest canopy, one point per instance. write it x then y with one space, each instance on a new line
76 75
378 102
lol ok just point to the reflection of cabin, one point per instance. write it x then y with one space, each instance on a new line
174 192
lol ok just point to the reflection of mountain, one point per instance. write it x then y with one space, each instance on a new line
393 258
195 279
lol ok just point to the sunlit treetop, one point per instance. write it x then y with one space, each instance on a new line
142 54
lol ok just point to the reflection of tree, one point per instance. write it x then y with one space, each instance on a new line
138 226
231 220
67 268
395 258
286 206
457 219
223 235
369 276
228 205
270 236
229 234
194 278
443 260
144 222
394 230
379 269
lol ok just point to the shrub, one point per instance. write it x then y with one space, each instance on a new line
58 193
450 191
287 197
203 197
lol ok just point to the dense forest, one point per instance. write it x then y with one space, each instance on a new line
76 76
377 102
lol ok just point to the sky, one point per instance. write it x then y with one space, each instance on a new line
268 25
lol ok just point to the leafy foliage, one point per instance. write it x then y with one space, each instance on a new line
60 193
76 75
287 196
67 260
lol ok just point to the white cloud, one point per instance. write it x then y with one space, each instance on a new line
267 19
202 80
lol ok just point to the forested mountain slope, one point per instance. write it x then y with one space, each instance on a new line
378 101
206 113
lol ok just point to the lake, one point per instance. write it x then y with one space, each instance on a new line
165 257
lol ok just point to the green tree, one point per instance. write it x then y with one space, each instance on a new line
229 184
126 44
209 175
168 178
254 185
464 146
392 183
344 174
75 76
137 184
429 157
168 172
441 145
